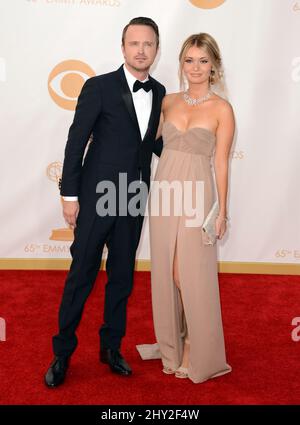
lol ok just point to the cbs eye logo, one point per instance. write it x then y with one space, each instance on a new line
207 4
66 80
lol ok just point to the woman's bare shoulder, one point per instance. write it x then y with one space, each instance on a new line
224 113
169 99
223 105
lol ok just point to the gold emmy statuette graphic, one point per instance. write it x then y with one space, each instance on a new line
207 4
54 171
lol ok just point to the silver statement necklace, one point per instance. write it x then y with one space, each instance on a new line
194 102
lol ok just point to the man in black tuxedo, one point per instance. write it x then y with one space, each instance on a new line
121 110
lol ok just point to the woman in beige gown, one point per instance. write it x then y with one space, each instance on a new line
197 125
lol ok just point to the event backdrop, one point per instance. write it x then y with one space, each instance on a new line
48 48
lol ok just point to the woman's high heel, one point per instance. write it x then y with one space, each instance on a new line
182 372
168 370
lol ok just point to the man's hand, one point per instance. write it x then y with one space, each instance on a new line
70 212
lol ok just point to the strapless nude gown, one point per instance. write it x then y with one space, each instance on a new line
186 157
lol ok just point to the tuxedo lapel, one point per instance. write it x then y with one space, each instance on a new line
127 98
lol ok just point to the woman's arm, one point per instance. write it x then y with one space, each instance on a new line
224 135
158 143
159 129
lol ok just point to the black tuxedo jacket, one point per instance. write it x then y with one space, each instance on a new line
105 109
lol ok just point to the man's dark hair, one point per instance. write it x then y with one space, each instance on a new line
142 21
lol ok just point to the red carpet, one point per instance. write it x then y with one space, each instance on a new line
257 315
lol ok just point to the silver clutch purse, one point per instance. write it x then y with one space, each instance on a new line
209 225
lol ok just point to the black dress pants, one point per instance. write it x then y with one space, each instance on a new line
121 234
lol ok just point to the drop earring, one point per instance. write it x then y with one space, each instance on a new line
212 77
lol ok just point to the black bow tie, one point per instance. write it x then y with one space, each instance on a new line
147 86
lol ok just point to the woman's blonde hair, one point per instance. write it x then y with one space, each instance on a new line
208 43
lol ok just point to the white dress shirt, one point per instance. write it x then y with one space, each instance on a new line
142 101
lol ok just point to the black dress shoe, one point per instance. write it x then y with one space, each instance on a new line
116 361
57 371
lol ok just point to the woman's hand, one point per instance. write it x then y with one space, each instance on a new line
221 226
